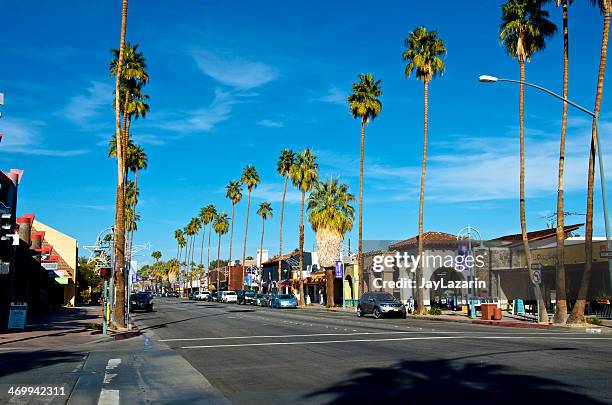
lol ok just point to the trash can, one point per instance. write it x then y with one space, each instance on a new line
498 314
488 311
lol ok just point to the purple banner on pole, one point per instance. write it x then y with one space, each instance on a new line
339 269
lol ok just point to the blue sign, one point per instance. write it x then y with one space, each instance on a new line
339 269
519 307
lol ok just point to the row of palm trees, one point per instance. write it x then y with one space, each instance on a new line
330 213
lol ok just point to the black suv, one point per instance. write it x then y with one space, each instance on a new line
246 297
141 300
380 304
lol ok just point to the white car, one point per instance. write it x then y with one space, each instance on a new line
228 296
202 296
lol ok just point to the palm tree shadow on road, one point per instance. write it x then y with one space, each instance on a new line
448 381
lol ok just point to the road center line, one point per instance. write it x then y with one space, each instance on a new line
356 334
109 397
391 339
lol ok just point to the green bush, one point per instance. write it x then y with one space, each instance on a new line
434 311
594 320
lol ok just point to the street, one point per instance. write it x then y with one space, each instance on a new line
262 355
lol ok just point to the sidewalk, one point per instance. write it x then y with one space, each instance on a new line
61 328
508 320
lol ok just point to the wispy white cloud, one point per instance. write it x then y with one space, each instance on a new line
271 123
470 169
21 136
203 119
96 207
234 72
334 95
273 192
83 107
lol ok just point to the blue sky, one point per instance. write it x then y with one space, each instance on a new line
232 86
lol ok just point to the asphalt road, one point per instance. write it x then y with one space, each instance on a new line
259 355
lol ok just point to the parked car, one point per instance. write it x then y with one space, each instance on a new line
201 296
284 301
267 300
380 304
228 296
212 297
141 300
245 297
257 299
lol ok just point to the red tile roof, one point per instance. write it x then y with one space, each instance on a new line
440 237
540 234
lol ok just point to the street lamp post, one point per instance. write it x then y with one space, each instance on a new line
602 177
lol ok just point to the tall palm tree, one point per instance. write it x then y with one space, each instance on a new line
331 216
250 179
233 191
283 167
304 175
156 255
561 299
193 228
523 31
178 235
134 76
136 160
424 52
265 212
577 315
220 225
207 216
364 103
119 237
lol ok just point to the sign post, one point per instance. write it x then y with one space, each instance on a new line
339 273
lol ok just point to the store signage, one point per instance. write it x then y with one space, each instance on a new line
5 268
17 315
605 254
49 265
62 280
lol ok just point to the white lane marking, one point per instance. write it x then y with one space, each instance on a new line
113 363
388 340
361 333
109 397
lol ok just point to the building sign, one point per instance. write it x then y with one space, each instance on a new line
17 315
60 273
339 269
49 265
62 280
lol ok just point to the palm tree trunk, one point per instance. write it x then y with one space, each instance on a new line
577 315
302 298
280 240
246 231
208 255
420 301
202 247
361 285
219 264
542 314
259 279
231 236
561 299
119 245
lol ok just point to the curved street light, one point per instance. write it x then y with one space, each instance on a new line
602 177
